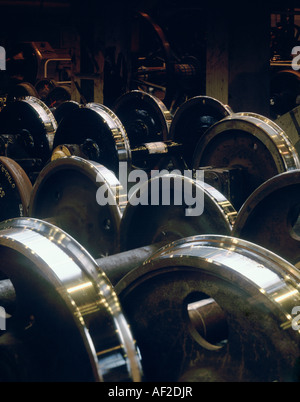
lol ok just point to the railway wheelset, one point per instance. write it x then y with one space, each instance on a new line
133 286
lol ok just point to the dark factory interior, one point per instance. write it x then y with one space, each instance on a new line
149 193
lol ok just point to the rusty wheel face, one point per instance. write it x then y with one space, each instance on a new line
15 190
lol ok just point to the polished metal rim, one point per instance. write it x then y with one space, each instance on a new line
45 115
269 133
39 120
284 142
98 123
117 130
85 299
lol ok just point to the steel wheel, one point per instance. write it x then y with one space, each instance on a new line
65 193
252 293
67 314
249 142
165 223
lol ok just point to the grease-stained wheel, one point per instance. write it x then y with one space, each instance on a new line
244 296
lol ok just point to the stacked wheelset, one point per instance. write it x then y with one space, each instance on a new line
183 290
